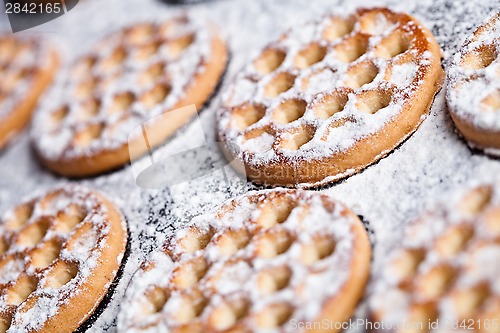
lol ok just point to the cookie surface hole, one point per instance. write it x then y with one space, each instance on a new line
352 48
115 59
321 247
269 60
298 138
156 95
361 74
492 220
274 279
468 301
247 115
372 101
279 84
491 102
33 234
227 314
273 315
232 241
454 240
43 257
195 239
140 34
152 74
67 220
435 282
187 307
375 23
147 51
309 56
57 116
393 45
61 274
330 104
23 288
476 200
88 109
273 243
20 216
177 47
289 110
156 299
87 136
121 103
480 57
337 28
188 274
275 212
407 263
86 88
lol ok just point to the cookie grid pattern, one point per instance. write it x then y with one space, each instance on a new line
51 250
474 86
26 68
326 89
261 261
446 268
127 80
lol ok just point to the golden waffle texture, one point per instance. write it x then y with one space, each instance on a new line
330 97
445 270
473 92
128 81
59 253
27 67
261 263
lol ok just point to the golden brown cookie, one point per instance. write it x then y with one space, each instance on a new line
331 97
129 80
59 253
473 92
445 270
264 262
27 67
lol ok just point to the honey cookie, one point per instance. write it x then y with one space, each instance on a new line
445 270
263 262
331 97
27 68
59 253
132 79
473 92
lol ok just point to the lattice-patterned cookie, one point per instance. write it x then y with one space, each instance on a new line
262 262
26 70
446 270
128 80
331 97
59 253
473 92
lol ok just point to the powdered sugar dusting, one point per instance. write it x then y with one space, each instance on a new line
329 71
131 76
474 78
74 220
238 275
458 236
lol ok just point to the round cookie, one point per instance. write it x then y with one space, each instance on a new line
132 79
331 97
473 91
262 262
59 253
445 269
27 68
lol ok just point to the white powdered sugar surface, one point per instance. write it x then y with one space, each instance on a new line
236 276
389 195
474 78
